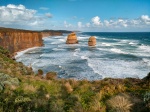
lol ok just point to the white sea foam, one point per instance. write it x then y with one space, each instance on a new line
146 48
84 57
24 51
117 68
106 44
124 41
76 52
82 38
46 38
77 49
117 50
132 43
147 61
62 40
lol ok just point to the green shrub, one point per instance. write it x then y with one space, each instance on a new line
7 80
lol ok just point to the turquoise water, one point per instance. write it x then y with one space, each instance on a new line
116 55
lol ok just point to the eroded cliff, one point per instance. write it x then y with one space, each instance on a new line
16 40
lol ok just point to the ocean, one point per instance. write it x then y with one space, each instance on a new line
116 55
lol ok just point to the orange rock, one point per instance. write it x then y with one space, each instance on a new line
16 40
92 41
72 39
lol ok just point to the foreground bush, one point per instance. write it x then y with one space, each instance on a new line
120 103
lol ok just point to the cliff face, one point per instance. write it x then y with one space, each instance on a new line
15 40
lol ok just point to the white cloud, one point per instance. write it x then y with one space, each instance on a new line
88 24
106 23
145 19
96 20
44 8
122 22
116 23
135 22
19 16
49 15
80 24
13 13
67 24
36 23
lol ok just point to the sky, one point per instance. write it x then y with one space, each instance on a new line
80 15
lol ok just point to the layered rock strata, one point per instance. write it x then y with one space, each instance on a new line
72 39
16 40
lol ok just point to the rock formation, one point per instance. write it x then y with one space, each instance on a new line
92 41
19 40
16 40
51 75
72 39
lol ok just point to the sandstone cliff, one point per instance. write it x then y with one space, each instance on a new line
72 39
16 40
92 41
46 34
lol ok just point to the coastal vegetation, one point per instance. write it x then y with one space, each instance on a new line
22 90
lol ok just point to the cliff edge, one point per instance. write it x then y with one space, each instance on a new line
16 39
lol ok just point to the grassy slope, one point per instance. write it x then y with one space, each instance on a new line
21 90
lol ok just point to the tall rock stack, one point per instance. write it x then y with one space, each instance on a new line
92 41
72 39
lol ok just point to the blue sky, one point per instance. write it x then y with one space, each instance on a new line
82 15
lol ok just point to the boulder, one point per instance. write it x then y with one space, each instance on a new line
51 75
92 41
40 73
72 39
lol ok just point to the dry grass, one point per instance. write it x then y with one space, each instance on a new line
68 87
74 83
96 106
120 103
29 88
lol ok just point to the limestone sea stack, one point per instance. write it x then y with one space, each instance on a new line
72 39
92 41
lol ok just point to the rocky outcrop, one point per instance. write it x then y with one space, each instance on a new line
16 40
51 75
92 41
72 39
19 40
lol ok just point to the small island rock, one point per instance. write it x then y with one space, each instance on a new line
72 39
92 41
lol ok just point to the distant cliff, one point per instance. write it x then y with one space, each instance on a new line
15 39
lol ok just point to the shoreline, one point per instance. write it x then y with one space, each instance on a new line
21 52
